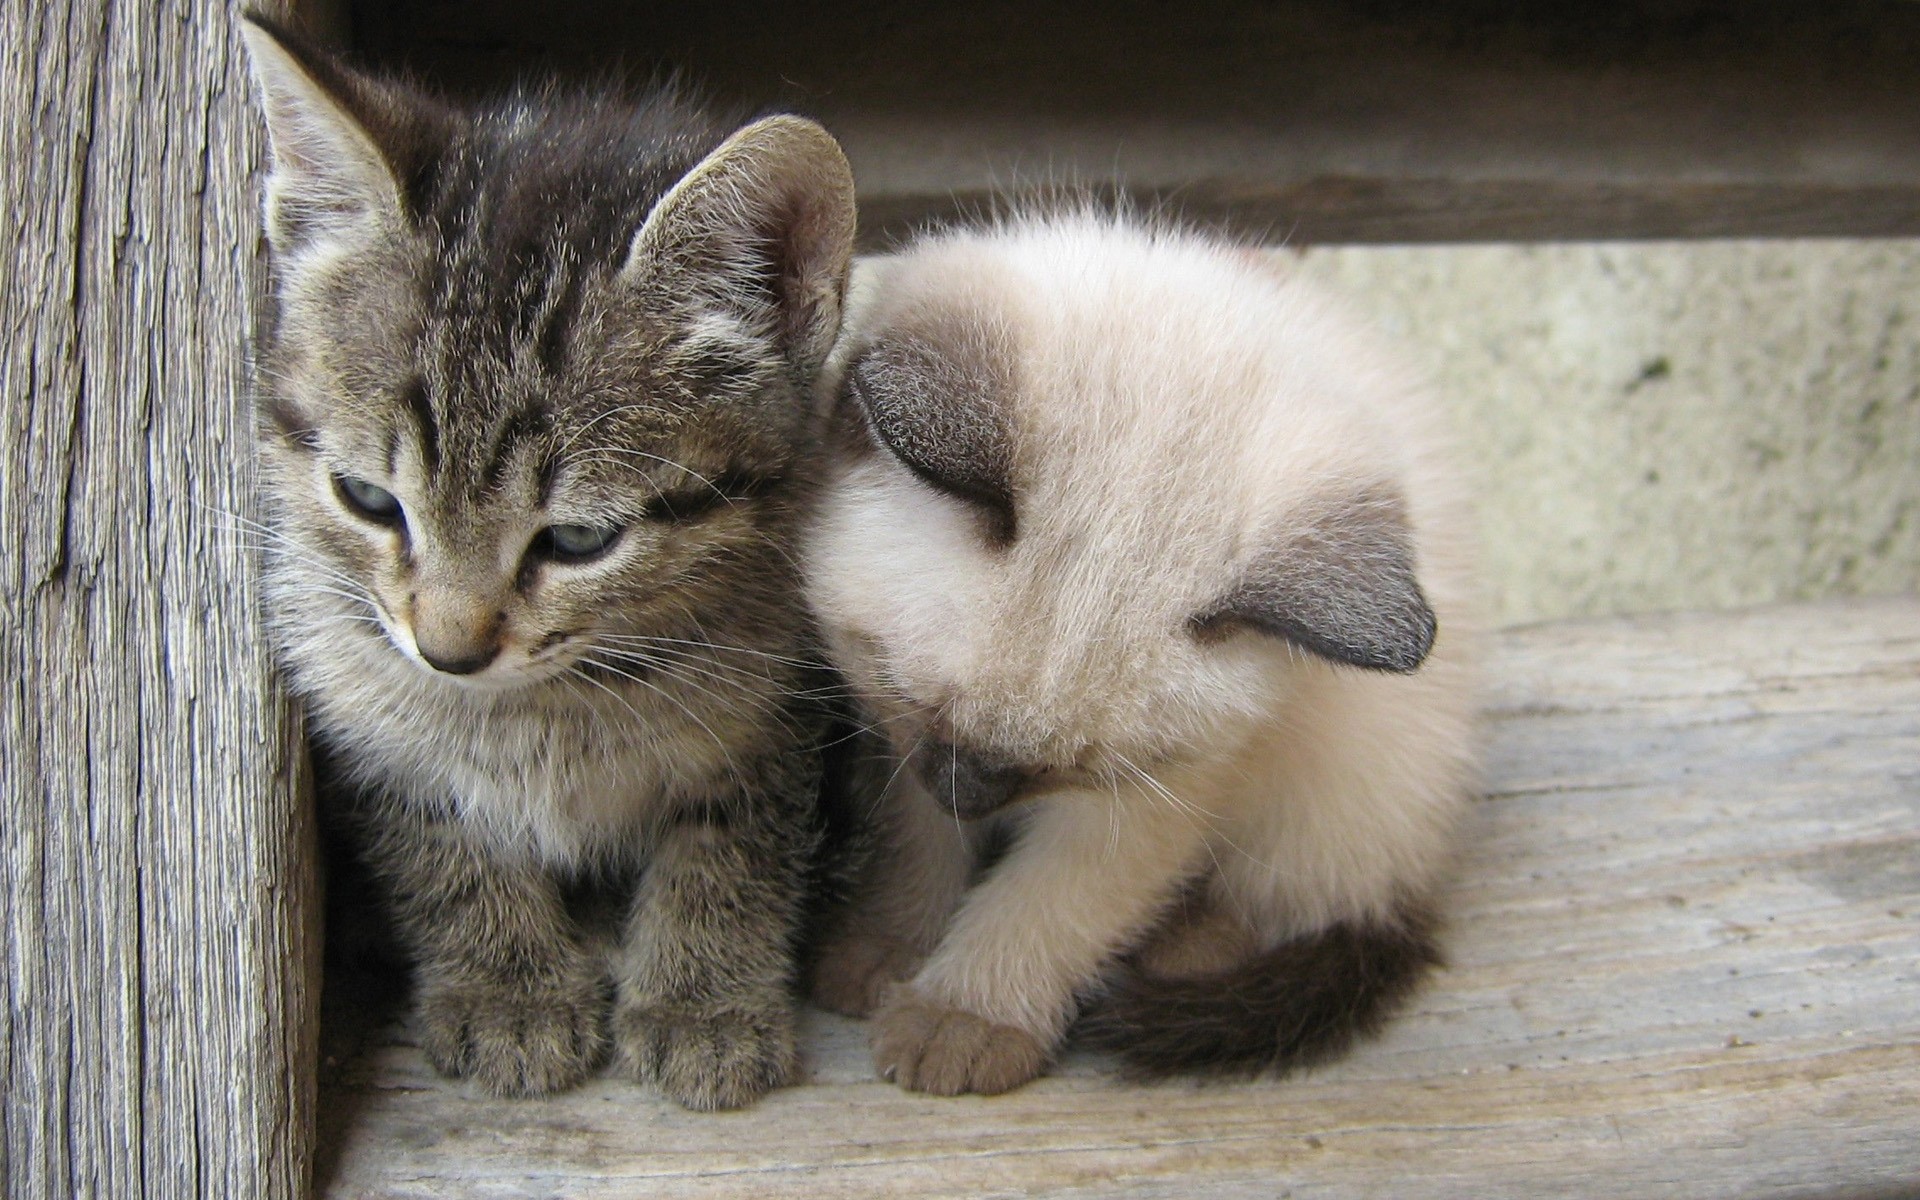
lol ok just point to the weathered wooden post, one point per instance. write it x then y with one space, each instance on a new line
157 890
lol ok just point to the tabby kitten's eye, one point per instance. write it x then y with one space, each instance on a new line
575 543
369 501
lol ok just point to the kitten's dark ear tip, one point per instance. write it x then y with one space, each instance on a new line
1401 640
1404 655
1400 647
1343 589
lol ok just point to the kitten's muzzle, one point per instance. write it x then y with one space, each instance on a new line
969 783
454 637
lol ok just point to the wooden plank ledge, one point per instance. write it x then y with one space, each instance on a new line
1685 944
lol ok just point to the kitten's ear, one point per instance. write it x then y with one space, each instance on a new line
1340 583
768 216
329 176
938 400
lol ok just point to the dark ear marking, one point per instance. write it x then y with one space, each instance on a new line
940 407
1339 581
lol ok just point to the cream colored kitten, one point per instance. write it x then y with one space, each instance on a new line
1136 553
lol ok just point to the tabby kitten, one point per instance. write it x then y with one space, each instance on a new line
1152 569
532 419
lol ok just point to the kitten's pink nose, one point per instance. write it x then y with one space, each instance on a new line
454 634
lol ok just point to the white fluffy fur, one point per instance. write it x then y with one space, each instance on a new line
1175 400
561 774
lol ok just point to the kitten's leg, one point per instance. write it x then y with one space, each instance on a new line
1085 876
704 975
505 992
1200 935
913 885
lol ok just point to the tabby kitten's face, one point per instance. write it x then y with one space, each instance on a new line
518 405
503 505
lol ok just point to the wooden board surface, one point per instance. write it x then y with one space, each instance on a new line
1685 962
156 859
1310 120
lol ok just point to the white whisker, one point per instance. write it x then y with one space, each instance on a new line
666 695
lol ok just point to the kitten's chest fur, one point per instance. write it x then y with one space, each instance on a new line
570 771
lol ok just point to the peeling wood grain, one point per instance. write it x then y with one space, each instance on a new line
157 858
1685 950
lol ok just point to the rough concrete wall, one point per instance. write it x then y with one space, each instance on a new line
1667 425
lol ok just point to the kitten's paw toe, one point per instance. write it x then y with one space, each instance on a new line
925 1046
512 1039
853 969
705 1060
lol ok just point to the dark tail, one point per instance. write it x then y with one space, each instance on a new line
1303 1002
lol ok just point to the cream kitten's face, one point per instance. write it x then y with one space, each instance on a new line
1080 527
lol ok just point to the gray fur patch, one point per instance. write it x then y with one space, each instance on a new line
939 404
1339 582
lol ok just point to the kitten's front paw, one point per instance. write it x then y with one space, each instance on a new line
853 970
511 1038
929 1047
707 1060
